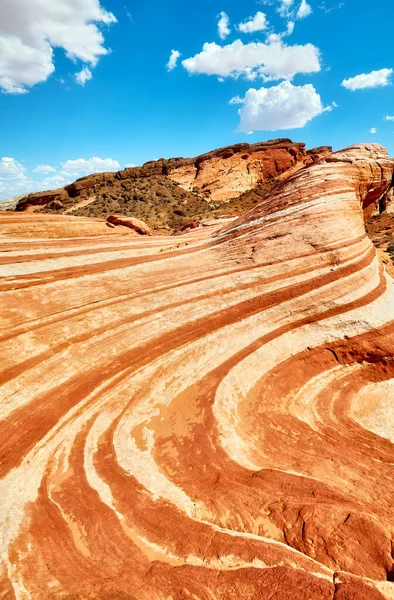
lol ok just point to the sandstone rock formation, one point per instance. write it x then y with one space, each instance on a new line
387 202
227 173
169 194
208 417
29 225
134 224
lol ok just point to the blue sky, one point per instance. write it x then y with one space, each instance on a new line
86 86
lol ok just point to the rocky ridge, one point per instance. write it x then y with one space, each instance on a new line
169 194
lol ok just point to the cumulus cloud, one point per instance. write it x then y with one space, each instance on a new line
223 26
44 169
172 63
11 169
13 179
30 29
257 23
373 130
92 165
129 166
363 81
10 189
271 61
16 180
83 76
284 7
284 106
57 180
304 10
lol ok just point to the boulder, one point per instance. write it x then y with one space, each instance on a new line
131 222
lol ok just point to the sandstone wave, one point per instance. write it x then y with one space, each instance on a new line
207 417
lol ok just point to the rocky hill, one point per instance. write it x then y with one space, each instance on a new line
208 416
170 194
10 204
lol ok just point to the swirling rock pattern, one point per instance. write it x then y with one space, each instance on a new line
208 417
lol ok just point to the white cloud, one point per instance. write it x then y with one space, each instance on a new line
13 180
373 130
285 7
290 28
284 106
236 100
290 9
223 26
55 179
92 165
129 166
30 29
11 169
257 23
363 81
304 10
44 169
16 181
327 9
277 37
270 61
175 54
388 118
83 76
9 189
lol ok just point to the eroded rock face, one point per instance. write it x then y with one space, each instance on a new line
226 174
39 199
209 416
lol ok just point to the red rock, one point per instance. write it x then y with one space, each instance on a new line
87 183
207 417
219 175
227 173
42 198
135 224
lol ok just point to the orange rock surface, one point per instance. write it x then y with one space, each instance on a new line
135 224
206 417
32 225
225 174
219 175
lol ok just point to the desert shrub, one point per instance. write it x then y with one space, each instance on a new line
390 250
